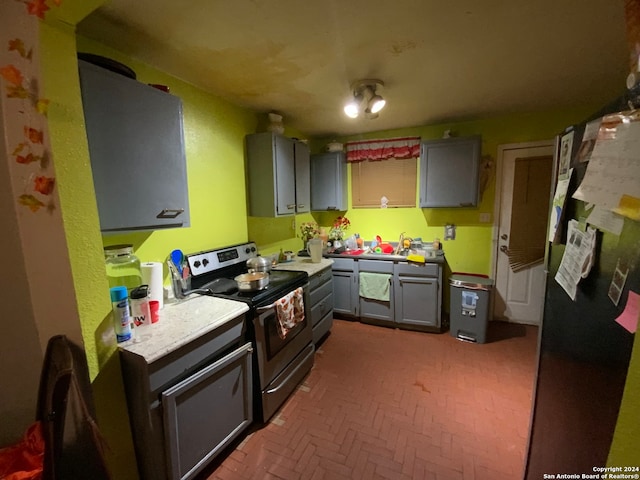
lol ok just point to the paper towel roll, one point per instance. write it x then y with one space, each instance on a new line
152 276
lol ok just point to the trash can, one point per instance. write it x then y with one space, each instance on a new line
469 310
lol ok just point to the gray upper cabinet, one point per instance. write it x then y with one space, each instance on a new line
449 171
303 179
136 146
328 181
271 172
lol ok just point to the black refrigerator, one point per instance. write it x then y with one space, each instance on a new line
583 352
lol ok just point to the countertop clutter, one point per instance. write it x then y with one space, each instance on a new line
181 323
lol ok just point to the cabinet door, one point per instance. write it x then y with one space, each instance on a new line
377 309
343 292
208 410
303 179
417 301
271 173
285 175
328 181
136 146
449 172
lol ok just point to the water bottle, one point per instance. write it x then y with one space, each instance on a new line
121 318
140 309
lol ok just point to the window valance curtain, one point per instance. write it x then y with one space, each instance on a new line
401 148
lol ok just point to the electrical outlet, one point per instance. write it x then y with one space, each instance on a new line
449 232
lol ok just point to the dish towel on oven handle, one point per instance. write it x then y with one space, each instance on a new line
290 311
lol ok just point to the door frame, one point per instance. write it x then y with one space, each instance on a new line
498 199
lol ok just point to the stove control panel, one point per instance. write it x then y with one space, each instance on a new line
212 260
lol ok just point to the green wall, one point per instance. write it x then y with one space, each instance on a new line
80 217
625 446
214 132
471 250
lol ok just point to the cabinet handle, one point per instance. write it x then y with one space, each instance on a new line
301 206
170 213
332 207
466 204
291 206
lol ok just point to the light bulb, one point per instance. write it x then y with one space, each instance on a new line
377 103
351 109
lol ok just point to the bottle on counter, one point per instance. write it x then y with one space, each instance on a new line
140 308
123 267
121 317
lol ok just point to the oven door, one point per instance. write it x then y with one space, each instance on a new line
274 354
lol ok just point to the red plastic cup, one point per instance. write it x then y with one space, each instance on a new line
154 306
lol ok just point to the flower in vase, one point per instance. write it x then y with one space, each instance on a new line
340 225
308 230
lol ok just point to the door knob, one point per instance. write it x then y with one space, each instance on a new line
503 248
504 236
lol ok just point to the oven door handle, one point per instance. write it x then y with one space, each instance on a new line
261 310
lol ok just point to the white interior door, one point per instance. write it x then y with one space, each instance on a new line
518 296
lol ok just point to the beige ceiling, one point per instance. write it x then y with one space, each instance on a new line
440 60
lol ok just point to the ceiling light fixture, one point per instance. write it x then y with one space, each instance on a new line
366 99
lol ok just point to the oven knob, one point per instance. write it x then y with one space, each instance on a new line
253 249
205 262
247 250
196 264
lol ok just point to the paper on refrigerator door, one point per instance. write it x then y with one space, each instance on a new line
612 179
606 220
558 205
577 259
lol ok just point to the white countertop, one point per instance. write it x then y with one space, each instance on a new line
181 323
304 264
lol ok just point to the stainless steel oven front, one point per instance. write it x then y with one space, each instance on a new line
282 363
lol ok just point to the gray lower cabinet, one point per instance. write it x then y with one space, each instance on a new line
321 297
345 287
188 405
418 296
328 181
415 293
136 147
377 309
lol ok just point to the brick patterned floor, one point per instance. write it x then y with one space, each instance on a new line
382 403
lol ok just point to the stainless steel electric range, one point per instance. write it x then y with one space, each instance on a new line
279 364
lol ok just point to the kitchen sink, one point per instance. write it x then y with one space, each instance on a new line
387 256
